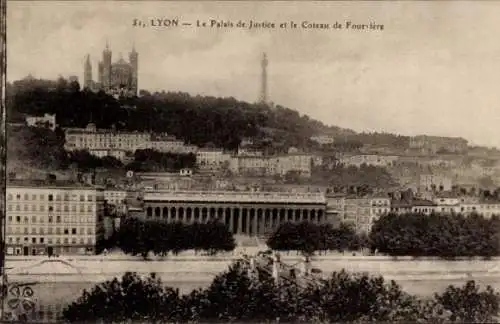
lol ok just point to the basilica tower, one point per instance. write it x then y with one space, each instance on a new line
106 68
87 74
134 64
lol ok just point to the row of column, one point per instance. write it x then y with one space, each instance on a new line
240 220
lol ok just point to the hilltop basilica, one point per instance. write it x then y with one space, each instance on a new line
118 79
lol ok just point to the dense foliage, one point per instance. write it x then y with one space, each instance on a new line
309 237
362 180
138 237
196 119
153 161
38 147
44 149
244 296
445 236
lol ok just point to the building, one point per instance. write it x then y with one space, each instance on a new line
363 211
447 203
323 139
436 144
45 121
53 217
212 158
119 78
104 142
272 165
434 182
248 213
121 145
369 159
72 78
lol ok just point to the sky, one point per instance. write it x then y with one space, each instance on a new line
434 69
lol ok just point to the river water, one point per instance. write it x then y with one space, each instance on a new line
422 278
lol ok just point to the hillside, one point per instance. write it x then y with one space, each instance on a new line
199 120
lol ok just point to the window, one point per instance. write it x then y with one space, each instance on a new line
82 198
73 208
41 231
33 197
33 207
18 208
10 239
26 219
10 218
26 197
66 208
89 231
49 240
51 197
18 196
41 240
66 232
51 208
10 207
82 231
42 208
58 230
66 240
82 241
42 197
9 197
18 240
73 231
58 219
33 231
82 209
73 240
50 230
89 209
50 219
33 219
26 239
33 240
90 241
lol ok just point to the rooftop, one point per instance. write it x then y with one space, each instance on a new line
42 183
235 196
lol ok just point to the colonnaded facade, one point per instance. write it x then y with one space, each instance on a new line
247 213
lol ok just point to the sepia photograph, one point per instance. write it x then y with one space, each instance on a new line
250 161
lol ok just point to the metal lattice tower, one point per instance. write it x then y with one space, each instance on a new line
263 90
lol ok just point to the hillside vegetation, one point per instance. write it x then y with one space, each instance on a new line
199 120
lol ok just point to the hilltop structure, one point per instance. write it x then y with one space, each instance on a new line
118 79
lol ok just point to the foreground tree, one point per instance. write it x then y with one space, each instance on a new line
131 298
249 296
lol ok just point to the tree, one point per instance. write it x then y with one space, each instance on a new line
131 298
468 304
445 236
138 237
309 237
